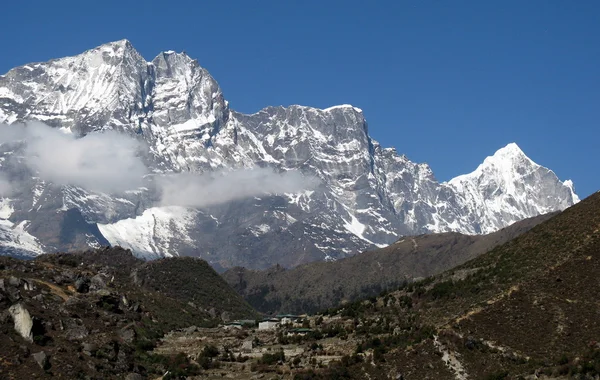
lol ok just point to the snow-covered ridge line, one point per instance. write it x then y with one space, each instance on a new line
367 195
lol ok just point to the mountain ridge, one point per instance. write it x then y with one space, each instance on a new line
368 196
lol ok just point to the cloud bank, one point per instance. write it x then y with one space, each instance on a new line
111 162
5 186
203 190
104 162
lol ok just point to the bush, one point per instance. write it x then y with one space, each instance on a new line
209 351
270 359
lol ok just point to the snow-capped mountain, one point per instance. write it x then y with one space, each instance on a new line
366 195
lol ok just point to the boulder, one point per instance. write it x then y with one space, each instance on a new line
13 281
29 286
97 283
190 330
225 317
41 359
13 293
82 285
89 348
128 335
22 320
74 329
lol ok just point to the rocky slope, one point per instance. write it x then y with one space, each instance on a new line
358 195
525 310
99 314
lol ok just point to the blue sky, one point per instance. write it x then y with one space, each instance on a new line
445 82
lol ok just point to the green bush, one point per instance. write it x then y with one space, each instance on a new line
270 359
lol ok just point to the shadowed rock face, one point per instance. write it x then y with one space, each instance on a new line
367 195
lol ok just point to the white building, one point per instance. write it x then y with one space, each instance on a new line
268 324
286 321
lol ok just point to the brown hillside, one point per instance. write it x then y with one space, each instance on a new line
320 285
100 314
527 309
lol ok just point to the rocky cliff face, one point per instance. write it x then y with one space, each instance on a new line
365 196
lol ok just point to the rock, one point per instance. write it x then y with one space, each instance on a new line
470 343
128 335
22 320
225 317
75 329
81 285
2 286
39 298
68 274
134 376
29 286
135 278
190 330
103 293
58 280
13 294
42 359
77 333
97 283
89 348
13 281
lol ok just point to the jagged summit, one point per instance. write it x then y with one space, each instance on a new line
367 196
509 185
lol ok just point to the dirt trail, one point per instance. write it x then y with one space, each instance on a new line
55 289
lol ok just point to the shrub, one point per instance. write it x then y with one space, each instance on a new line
270 359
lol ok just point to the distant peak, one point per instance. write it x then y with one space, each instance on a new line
512 149
510 153
120 44
124 42
343 106
506 160
116 48
173 56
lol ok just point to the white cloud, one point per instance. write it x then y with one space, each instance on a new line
5 186
104 162
202 190
110 162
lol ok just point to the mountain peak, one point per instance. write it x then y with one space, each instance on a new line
510 150
117 48
171 57
343 106
508 158
507 164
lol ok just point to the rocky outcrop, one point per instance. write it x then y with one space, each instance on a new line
22 320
